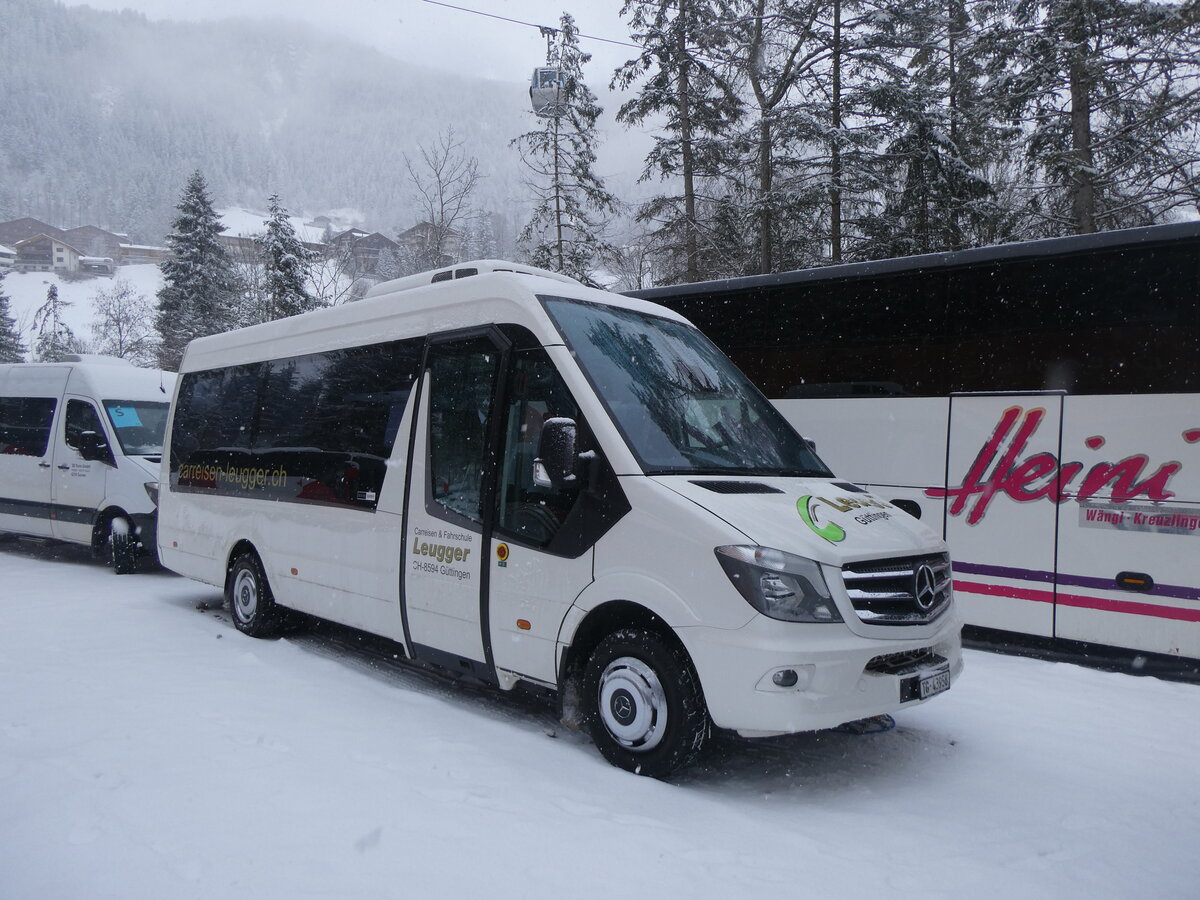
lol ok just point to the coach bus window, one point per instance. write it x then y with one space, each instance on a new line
25 425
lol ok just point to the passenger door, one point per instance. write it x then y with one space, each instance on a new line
1001 508
79 483
448 513
541 551
493 559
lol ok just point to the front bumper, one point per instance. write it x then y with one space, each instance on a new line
841 676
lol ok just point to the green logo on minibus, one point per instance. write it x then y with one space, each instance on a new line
832 532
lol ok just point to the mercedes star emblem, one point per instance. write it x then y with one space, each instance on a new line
925 588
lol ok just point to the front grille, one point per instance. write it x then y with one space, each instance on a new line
885 591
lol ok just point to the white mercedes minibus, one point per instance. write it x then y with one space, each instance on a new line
80 448
523 479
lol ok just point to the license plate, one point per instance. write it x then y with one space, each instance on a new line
934 683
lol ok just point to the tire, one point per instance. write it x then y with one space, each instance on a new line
122 546
644 706
251 603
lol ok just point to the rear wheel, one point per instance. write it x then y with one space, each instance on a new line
250 600
122 545
644 704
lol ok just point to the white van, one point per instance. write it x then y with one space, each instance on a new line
527 480
80 448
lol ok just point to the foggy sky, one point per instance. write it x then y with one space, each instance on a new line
426 34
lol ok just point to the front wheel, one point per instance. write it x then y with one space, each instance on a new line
250 600
122 546
645 708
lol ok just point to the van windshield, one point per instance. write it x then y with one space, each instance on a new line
139 425
682 406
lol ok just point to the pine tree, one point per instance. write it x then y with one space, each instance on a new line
565 230
1108 92
932 193
54 337
678 80
12 348
287 263
200 289
773 47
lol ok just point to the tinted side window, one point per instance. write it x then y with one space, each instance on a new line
530 512
25 425
316 428
82 419
462 380
1093 323
1123 320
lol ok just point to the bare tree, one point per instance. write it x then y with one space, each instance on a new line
333 275
444 180
123 324
640 262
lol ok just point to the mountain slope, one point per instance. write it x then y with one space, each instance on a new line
106 114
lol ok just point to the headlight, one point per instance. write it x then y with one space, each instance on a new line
778 584
152 492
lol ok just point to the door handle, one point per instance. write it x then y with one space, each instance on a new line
43 465
65 468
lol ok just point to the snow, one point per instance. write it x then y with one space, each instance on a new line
149 750
241 222
27 291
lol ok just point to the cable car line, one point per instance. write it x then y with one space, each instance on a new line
544 28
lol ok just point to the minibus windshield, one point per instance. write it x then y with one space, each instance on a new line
683 407
139 425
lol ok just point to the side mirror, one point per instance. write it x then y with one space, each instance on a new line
92 447
555 463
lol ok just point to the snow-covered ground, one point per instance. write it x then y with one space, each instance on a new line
27 292
149 750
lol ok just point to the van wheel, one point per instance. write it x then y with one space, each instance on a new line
250 601
643 702
122 546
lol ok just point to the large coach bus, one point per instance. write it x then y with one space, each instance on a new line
526 480
1038 404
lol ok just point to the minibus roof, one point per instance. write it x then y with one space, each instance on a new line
103 377
497 293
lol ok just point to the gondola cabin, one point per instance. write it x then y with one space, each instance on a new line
547 91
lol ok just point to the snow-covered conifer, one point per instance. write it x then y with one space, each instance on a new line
677 79
200 291
1106 93
286 263
565 232
54 337
12 348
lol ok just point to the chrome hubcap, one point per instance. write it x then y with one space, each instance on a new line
245 595
632 703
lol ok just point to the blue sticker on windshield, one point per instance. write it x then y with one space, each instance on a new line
124 416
